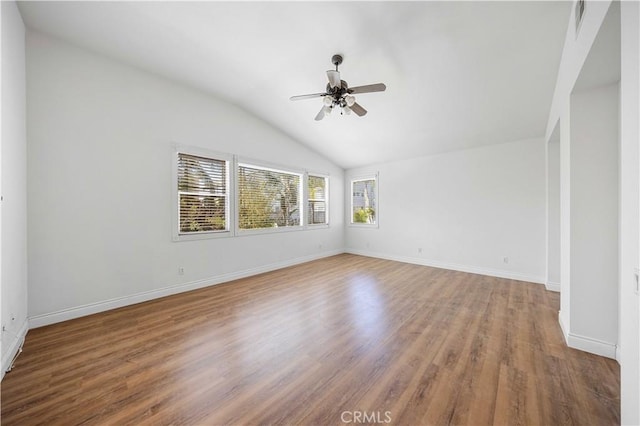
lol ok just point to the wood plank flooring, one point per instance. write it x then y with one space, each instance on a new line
342 340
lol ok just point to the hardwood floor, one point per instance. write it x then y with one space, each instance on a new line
342 340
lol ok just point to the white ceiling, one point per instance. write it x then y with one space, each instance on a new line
458 74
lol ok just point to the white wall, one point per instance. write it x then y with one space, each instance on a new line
466 210
590 194
564 316
100 136
629 339
574 55
589 202
13 153
553 213
594 215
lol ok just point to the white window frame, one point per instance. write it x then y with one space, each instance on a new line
326 201
175 198
358 178
248 162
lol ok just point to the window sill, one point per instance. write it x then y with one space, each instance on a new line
318 226
177 237
364 225
274 230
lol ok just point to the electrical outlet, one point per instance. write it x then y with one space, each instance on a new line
180 270
419 249
505 259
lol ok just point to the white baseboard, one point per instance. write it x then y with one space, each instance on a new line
564 327
551 286
15 343
452 266
587 344
93 308
594 346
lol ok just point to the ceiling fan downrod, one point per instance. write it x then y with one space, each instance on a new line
336 60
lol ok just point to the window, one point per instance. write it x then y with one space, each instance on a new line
364 201
203 204
317 202
215 195
268 198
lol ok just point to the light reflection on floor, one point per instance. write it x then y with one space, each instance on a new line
367 306
264 332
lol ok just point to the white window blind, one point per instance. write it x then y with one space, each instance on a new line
363 201
268 198
317 202
203 194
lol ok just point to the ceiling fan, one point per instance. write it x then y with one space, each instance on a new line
339 95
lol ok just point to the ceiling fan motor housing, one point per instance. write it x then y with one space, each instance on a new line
338 93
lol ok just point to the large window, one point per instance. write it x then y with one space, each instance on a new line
268 198
364 200
317 208
203 202
216 195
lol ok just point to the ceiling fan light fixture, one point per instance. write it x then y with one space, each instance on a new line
334 78
346 110
327 101
350 100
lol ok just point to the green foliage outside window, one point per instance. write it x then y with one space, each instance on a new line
364 215
267 198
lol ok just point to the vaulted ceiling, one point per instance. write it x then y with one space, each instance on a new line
458 74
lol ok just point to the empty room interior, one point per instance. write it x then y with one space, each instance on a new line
386 212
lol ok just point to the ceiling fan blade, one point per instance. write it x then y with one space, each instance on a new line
334 78
378 87
300 97
320 115
358 109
